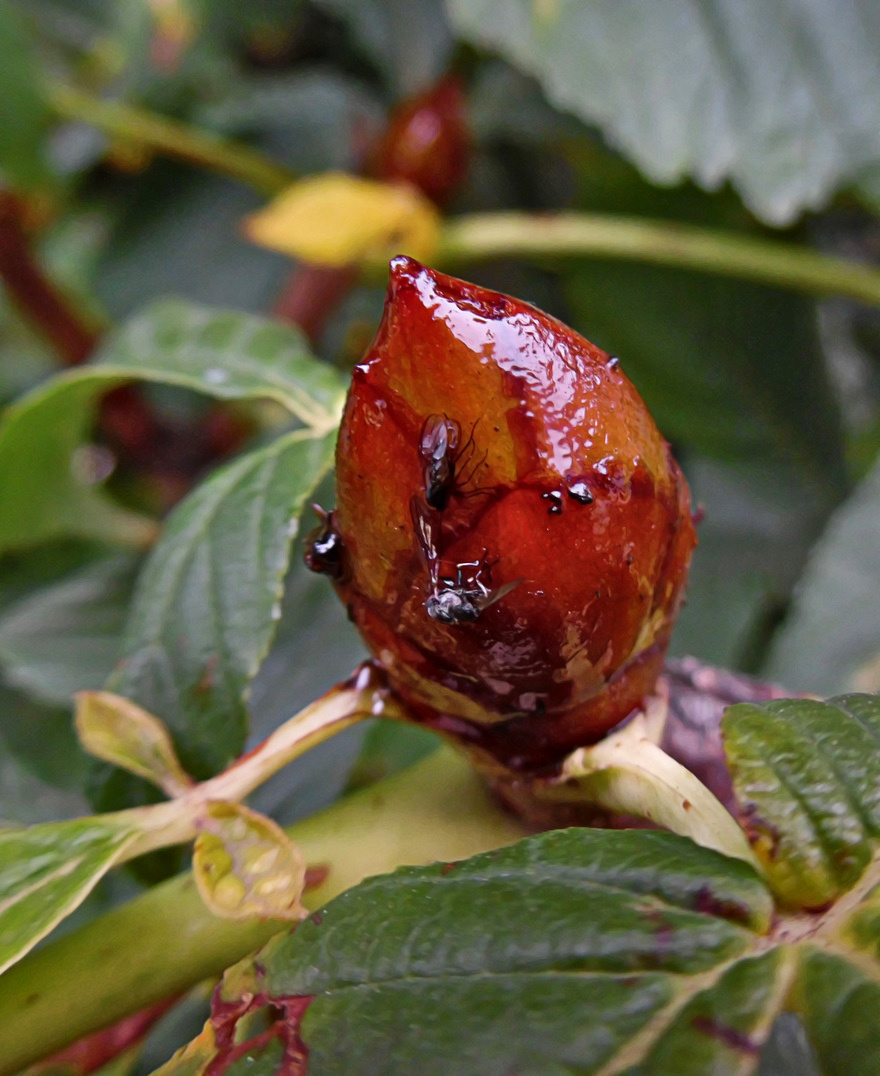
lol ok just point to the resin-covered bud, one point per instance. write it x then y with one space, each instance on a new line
427 142
512 534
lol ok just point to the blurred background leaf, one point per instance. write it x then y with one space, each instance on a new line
830 640
25 110
783 104
65 637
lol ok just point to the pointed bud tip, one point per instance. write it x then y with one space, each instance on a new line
404 272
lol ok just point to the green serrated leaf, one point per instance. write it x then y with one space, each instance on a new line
208 600
618 954
64 637
546 957
228 355
723 1028
43 768
46 871
839 1004
25 109
783 104
807 780
46 492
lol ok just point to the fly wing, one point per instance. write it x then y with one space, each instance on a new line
497 594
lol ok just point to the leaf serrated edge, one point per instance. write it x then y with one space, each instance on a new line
318 419
638 1047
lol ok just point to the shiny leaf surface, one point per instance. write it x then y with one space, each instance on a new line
544 957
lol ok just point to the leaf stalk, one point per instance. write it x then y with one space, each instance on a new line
549 236
170 137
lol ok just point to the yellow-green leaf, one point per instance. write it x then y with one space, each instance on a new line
336 220
629 773
245 865
47 871
119 731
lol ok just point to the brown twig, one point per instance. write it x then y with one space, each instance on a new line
42 303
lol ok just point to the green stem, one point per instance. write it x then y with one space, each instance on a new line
165 941
172 138
685 246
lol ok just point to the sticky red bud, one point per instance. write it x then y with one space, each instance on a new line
427 142
512 534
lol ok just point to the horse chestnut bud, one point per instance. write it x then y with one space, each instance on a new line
512 534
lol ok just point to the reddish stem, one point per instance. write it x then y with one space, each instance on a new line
41 302
97 1050
310 296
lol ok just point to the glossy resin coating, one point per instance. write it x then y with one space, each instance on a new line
512 534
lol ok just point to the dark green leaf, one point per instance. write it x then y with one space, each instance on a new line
315 647
760 520
178 234
721 1029
807 779
42 769
585 951
547 957
40 740
208 600
831 639
25 110
840 1003
788 1051
65 637
782 102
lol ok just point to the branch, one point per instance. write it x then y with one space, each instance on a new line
172 138
684 246
166 940
39 300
